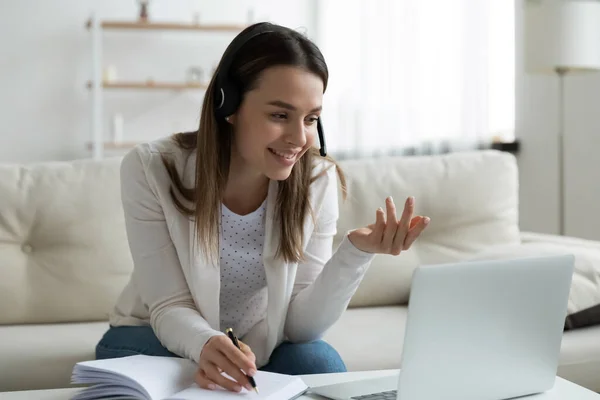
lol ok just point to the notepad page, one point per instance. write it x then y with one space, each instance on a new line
271 386
161 377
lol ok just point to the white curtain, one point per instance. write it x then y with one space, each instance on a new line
418 75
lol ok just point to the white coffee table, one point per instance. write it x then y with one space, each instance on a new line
563 389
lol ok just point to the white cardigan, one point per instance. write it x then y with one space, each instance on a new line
174 290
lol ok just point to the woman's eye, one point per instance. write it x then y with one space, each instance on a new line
278 116
312 120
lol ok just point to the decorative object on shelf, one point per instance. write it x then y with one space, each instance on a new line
250 17
562 37
195 75
117 128
196 18
143 10
110 74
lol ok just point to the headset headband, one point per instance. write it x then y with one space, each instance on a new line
226 94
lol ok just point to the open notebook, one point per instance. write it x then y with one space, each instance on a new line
169 378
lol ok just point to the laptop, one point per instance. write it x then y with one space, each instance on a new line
480 330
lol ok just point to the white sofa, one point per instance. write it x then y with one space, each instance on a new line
64 258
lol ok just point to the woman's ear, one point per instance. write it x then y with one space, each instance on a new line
231 119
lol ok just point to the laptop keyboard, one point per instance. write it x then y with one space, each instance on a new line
391 395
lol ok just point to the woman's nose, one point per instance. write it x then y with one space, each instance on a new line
297 134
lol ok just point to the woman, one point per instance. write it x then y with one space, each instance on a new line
232 226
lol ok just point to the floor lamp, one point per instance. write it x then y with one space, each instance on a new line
562 37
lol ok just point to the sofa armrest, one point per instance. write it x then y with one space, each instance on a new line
534 237
585 287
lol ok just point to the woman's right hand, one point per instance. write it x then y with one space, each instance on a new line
220 355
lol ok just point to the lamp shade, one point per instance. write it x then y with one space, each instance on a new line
562 34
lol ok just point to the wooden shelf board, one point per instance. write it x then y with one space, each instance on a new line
114 146
169 26
150 85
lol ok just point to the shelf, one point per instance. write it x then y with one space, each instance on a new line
150 85
114 146
167 26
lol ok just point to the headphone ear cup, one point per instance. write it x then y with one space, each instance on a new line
227 100
219 101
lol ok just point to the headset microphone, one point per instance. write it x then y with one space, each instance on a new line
323 149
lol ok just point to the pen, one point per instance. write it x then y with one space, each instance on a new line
234 339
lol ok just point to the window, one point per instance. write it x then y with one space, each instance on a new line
413 73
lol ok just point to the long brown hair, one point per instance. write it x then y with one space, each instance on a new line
212 143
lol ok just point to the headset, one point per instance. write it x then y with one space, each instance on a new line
227 96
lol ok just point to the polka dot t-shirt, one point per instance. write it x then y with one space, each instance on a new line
243 295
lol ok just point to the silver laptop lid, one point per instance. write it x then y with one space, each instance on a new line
485 329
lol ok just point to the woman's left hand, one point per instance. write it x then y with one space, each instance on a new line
389 235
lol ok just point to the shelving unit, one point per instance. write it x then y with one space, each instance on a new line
97 86
175 26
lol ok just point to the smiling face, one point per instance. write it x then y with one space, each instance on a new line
276 122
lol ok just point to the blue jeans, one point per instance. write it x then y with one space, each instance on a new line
316 357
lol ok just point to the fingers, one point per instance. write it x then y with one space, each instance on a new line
238 358
212 373
391 225
232 370
203 381
247 351
414 232
219 355
389 235
407 214
379 226
403 226
416 220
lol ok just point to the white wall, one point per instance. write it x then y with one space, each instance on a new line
45 62
537 128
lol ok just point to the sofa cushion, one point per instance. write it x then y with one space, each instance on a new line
64 254
471 198
43 356
369 338
585 286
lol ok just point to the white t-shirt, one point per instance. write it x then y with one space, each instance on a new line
243 295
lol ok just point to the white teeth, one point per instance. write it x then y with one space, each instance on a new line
284 155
